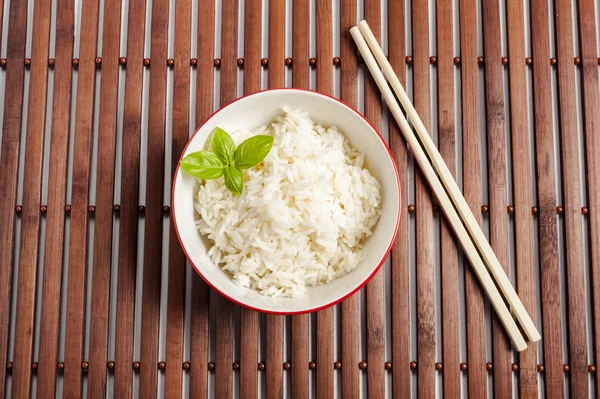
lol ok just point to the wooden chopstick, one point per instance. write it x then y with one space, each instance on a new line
452 188
469 248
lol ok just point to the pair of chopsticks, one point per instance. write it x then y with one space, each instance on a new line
453 204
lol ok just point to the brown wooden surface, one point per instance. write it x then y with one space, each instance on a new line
400 252
249 324
475 314
324 67
350 311
358 343
55 219
528 387
128 214
591 105
103 221
30 219
179 136
426 356
82 157
155 172
546 186
571 201
9 158
200 292
448 250
274 324
497 183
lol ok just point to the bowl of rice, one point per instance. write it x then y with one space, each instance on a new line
315 219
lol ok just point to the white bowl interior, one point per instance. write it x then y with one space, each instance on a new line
260 109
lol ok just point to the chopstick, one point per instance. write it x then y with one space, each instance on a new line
445 203
452 188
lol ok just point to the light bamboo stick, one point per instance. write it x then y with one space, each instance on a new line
453 191
443 199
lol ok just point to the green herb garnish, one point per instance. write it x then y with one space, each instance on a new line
226 160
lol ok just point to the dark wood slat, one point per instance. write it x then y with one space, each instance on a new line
274 356
591 104
128 227
399 267
103 226
82 156
249 318
325 339
274 324
521 187
472 192
495 121
200 291
224 317
572 201
1 18
276 43
180 133
30 219
449 253
300 79
155 172
350 307
9 163
424 212
375 290
55 219
546 186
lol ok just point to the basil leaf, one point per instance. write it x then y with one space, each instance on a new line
234 180
203 164
252 151
222 145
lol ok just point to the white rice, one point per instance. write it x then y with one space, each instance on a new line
302 215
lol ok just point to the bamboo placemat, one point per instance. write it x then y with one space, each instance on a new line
98 101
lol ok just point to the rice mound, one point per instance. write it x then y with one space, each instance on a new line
302 214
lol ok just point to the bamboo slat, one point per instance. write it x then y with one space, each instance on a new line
591 104
249 318
300 79
350 307
546 186
495 121
375 289
82 157
103 224
30 219
521 186
424 211
128 214
472 192
325 338
449 253
274 324
55 219
400 251
572 201
103 227
200 291
177 267
9 158
154 199
224 316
